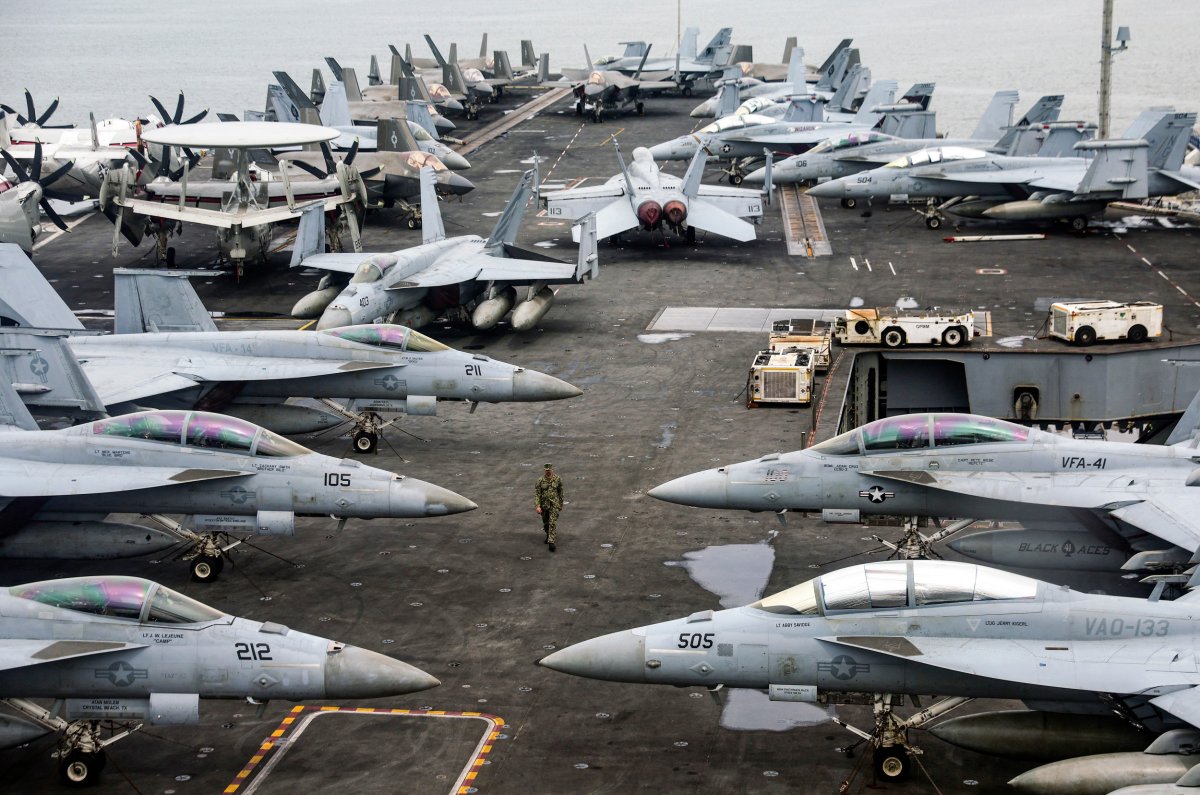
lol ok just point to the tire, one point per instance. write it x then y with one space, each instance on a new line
954 336
412 223
365 442
1137 333
80 769
640 108
893 337
691 234
892 763
933 222
171 257
1079 224
849 203
579 108
1085 336
207 568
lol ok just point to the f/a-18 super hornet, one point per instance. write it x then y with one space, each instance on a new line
600 88
131 652
1135 496
57 488
488 277
753 83
851 153
683 69
1148 161
924 627
642 197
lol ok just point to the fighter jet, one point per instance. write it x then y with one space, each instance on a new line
1148 161
642 197
851 153
685 68
599 88
413 286
962 465
131 652
924 627
364 108
231 476
474 84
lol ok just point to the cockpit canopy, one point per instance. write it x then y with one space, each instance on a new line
735 122
899 584
922 431
374 268
941 154
419 132
118 597
384 335
418 160
438 91
199 429
850 141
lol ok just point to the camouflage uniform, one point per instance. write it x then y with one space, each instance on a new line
548 496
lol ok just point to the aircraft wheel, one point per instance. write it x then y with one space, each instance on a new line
365 442
171 257
687 91
933 222
598 115
1137 333
412 223
207 568
640 108
893 337
81 769
891 763
579 108
1079 224
849 204
691 234
735 179
954 336
1085 336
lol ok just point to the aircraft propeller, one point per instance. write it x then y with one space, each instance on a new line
331 164
33 119
34 174
177 116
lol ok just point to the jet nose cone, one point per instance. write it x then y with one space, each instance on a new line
416 498
358 673
457 184
756 177
455 161
530 385
334 317
833 189
703 110
669 150
700 489
617 657
443 124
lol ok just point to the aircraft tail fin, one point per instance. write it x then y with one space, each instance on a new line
296 94
316 93
920 94
528 58
95 132
1059 140
396 136
728 99
350 82
804 109
158 300
373 76
310 234
742 53
587 266
625 172
916 124
837 66
642 64
1187 431
334 67
997 116
717 46
833 56
483 46
335 110
796 68
690 186
856 81
543 74
789 46
432 229
452 78
687 45
14 416
509 223
395 71
588 56
1118 169
437 54
1167 133
768 190
39 371
5 140
414 88
1045 110
453 57
26 298
882 92
500 65
418 112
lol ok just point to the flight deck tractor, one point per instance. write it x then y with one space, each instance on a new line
1085 322
895 328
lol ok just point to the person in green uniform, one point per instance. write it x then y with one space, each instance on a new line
548 501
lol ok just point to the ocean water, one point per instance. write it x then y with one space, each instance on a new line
107 57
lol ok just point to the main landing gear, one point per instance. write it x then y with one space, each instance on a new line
80 752
893 757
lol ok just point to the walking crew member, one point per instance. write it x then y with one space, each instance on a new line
547 501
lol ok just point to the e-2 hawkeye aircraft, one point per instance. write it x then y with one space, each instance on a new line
123 652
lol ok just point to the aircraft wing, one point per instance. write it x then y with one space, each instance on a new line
342 263
1183 704
217 218
710 218
24 652
1101 666
485 268
130 381
1056 179
575 203
24 478
1171 514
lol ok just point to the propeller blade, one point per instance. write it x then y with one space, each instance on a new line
178 109
35 171
18 169
20 119
29 105
164 165
353 151
330 165
309 169
139 158
53 216
49 112
162 112
54 177
196 118
370 172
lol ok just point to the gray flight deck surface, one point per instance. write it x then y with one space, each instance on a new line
476 599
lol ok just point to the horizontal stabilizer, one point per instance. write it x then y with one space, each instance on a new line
710 218
26 298
158 300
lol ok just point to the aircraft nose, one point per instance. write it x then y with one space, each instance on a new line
443 124
415 498
457 184
706 489
334 317
359 673
530 385
668 150
452 105
455 161
756 177
833 189
703 110
617 657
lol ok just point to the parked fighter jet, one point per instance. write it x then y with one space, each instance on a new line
473 84
366 109
683 69
608 88
232 476
642 197
963 465
127 650
851 153
413 286
923 627
1148 161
